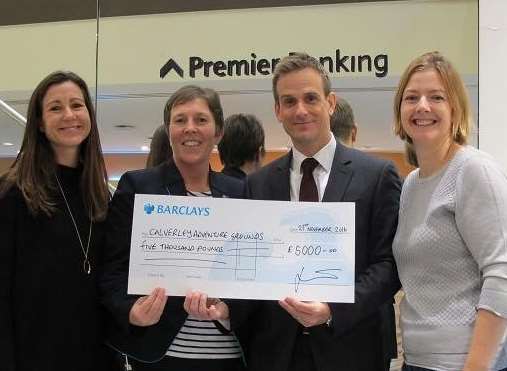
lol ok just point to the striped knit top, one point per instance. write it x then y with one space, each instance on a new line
201 339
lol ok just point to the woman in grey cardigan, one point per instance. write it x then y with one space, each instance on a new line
451 242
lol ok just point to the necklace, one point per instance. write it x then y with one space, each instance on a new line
86 262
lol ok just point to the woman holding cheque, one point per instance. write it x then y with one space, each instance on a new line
451 243
155 331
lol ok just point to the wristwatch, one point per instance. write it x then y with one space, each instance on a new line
329 321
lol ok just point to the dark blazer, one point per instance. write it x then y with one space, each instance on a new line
235 172
356 340
148 344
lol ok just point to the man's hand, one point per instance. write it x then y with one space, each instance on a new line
308 314
204 308
147 310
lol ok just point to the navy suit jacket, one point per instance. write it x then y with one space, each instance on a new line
148 344
362 335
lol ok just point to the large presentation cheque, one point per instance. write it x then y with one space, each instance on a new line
246 249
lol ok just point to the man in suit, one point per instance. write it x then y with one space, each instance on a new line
343 124
294 335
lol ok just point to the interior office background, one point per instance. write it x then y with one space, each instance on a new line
120 48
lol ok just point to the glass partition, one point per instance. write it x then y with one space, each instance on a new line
364 46
142 59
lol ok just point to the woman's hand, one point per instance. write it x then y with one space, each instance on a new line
204 308
488 333
147 310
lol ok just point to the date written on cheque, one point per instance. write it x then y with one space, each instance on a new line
309 228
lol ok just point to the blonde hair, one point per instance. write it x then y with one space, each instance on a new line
461 119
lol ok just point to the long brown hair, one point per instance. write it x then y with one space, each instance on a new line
34 168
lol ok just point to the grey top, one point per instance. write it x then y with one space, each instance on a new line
451 251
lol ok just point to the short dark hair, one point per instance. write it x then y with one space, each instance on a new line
243 140
160 147
342 120
297 62
188 93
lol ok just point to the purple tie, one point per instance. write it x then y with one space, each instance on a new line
308 188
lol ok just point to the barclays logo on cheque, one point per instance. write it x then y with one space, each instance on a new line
150 208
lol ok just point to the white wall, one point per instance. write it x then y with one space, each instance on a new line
493 79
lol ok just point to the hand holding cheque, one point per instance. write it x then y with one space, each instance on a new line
307 314
199 305
147 310
271 249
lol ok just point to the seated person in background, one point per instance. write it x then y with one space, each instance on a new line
160 147
154 331
241 149
343 125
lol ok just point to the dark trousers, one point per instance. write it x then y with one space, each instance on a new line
302 356
183 364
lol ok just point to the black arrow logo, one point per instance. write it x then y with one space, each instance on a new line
171 65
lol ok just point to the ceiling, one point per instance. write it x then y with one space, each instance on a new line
38 11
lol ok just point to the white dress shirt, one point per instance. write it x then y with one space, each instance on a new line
321 173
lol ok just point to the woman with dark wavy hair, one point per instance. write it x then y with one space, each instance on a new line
52 202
